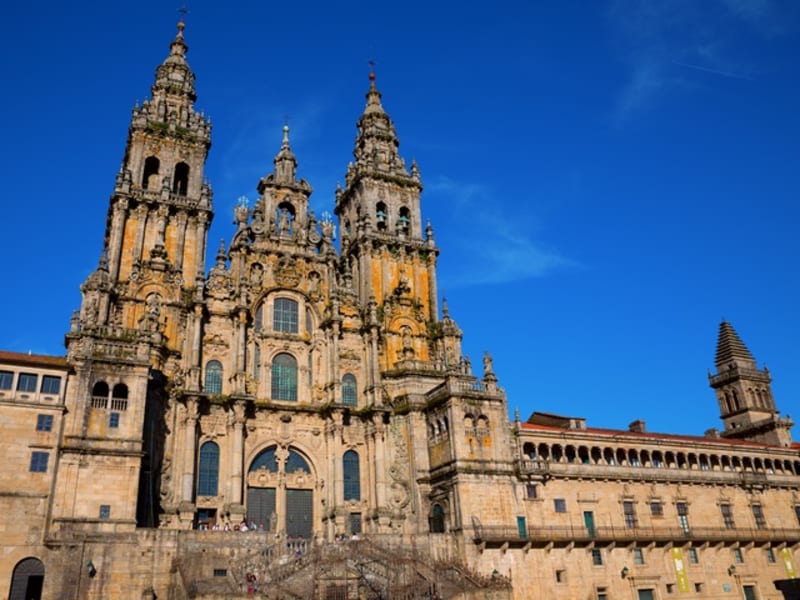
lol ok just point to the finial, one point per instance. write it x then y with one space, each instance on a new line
182 20
221 252
285 142
445 309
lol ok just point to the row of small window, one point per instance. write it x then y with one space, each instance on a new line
283 380
657 510
26 382
45 422
638 556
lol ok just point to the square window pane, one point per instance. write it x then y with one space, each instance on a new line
44 422
51 384
27 382
6 378
39 462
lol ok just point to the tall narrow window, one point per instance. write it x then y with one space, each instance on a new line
683 516
629 511
349 389
213 382
180 181
100 393
380 216
6 378
758 516
119 397
285 315
404 221
208 470
150 173
352 477
284 378
437 519
258 322
727 516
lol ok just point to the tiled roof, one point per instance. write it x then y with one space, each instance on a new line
33 360
645 436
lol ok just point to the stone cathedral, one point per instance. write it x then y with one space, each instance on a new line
297 420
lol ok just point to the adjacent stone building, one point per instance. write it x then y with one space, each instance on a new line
317 396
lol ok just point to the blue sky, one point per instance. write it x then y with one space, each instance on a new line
607 180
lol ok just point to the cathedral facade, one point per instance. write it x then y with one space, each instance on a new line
298 420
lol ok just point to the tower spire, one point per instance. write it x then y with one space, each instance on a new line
744 394
731 349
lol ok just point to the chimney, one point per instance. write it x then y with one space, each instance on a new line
638 426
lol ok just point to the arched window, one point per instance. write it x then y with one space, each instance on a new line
295 462
119 397
352 476
208 471
380 216
150 173
437 519
267 460
213 377
27 580
180 181
100 389
285 315
404 221
284 378
349 394
258 321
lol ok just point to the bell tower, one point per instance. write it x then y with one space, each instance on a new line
140 317
747 407
391 256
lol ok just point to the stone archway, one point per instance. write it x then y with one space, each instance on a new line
280 492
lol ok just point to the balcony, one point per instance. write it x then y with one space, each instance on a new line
498 536
538 468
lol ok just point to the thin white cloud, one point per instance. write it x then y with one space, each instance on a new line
504 251
663 41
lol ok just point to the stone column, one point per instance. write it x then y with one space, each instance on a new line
186 507
196 330
189 446
236 422
182 219
141 214
380 460
200 246
432 287
241 343
116 237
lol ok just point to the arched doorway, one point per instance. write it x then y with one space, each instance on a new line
27 581
280 492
